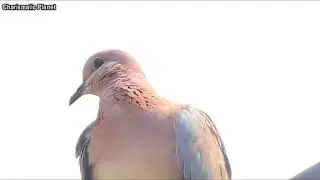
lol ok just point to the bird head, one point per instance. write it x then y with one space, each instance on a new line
103 69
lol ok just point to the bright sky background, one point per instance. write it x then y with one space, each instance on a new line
253 66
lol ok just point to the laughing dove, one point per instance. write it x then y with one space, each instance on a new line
140 135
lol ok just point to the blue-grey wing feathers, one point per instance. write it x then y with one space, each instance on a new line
200 149
82 153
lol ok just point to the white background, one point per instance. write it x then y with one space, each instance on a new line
253 66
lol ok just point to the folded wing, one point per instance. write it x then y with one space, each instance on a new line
200 149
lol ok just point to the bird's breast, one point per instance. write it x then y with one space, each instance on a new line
134 149
132 165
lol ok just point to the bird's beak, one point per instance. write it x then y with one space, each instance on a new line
77 94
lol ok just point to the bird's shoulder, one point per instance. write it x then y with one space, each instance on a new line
200 148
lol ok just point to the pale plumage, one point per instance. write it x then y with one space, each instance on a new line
140 135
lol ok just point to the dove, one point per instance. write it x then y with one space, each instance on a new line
139 134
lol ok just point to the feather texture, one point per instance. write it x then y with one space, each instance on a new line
82 153
200 149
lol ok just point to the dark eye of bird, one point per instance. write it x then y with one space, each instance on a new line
98 62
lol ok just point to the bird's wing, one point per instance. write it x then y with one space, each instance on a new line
82 153
200 149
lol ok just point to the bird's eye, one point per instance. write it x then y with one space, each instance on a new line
98 62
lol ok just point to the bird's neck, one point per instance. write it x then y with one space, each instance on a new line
128 94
